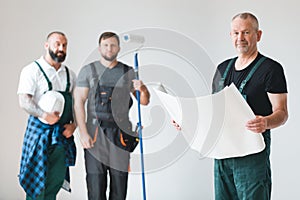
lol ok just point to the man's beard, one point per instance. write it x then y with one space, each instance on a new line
242 47
56 57
112 58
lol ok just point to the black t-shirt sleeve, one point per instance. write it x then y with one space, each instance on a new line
218 75
275 80
216 79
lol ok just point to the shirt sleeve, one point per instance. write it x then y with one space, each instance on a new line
27 82
131 77
218 75
275 80
73 79
84 76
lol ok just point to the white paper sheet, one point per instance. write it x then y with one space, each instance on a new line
214 125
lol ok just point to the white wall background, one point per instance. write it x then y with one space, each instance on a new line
25 24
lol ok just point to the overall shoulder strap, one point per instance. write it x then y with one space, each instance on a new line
221 82
126 68
68 79
243 84
94 74
48 81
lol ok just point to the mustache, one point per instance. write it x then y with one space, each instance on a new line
62 52
242 43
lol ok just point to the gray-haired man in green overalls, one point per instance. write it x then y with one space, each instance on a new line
262 83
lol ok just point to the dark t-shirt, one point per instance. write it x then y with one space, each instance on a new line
268 78
112 77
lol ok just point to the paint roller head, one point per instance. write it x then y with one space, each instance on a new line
131 38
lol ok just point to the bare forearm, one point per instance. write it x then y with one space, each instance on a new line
280 110
276 119
27 103
80 97
80 117
279 116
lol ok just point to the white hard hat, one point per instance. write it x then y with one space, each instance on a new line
52 101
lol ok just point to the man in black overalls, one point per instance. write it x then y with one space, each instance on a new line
107 85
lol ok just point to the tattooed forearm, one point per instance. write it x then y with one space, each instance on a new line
26 102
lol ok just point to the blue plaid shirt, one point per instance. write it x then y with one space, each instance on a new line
38 137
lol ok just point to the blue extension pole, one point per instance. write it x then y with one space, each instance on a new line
136 66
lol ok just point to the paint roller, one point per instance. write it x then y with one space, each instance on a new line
132 38
138 39
135 39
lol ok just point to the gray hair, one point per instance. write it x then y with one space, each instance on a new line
245 15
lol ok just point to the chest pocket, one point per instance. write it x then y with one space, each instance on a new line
67 115
112 103
103 98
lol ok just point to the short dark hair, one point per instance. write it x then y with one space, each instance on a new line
55 32
245 15
107 35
